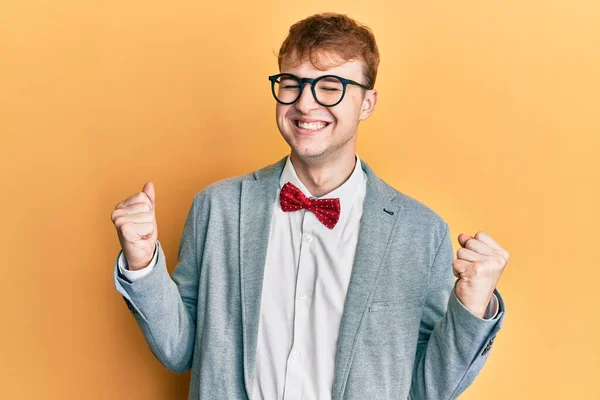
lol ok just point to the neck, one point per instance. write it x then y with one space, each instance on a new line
323 178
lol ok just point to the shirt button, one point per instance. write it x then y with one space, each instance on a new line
295 354
308 238
303 296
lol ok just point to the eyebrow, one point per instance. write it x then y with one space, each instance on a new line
330 79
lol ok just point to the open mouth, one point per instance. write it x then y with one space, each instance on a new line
311 126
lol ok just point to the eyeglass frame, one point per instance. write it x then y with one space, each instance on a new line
313 81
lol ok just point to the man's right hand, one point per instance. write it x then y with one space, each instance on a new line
135 221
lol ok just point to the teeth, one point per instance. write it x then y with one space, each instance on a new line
313 126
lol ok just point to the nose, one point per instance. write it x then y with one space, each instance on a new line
306 102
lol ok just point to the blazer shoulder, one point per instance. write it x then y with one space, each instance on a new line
413 210
224 187
423 221
416 210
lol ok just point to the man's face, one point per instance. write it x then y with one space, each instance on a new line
318 133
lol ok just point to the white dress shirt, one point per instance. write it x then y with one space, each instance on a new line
307 272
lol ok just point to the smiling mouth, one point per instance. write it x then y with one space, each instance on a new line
311 126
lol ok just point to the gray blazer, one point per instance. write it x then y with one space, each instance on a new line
403 334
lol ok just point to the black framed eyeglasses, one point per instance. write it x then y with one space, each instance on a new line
328 90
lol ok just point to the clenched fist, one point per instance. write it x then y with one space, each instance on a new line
135 221
480 262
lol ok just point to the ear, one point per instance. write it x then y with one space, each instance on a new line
368 104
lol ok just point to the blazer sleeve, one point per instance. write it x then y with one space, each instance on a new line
165 307
453 342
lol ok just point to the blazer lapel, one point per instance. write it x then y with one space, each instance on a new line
380 216
256 205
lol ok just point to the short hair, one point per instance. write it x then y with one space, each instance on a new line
330 39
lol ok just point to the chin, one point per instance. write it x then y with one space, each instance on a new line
310 153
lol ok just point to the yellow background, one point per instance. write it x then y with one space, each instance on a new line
488 113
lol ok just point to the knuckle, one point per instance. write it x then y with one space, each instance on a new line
127 226
127 231
500 260
120 222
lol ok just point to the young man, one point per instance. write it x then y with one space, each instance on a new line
312 278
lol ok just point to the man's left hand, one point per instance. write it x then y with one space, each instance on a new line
478 268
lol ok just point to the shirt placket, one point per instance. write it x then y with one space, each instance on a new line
298 360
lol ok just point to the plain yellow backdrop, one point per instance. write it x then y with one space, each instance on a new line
488 112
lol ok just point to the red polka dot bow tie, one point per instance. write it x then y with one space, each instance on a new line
326 210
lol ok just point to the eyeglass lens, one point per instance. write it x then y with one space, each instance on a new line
328 90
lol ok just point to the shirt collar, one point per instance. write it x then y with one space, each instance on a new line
347 192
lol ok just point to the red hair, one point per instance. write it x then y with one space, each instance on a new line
331 39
